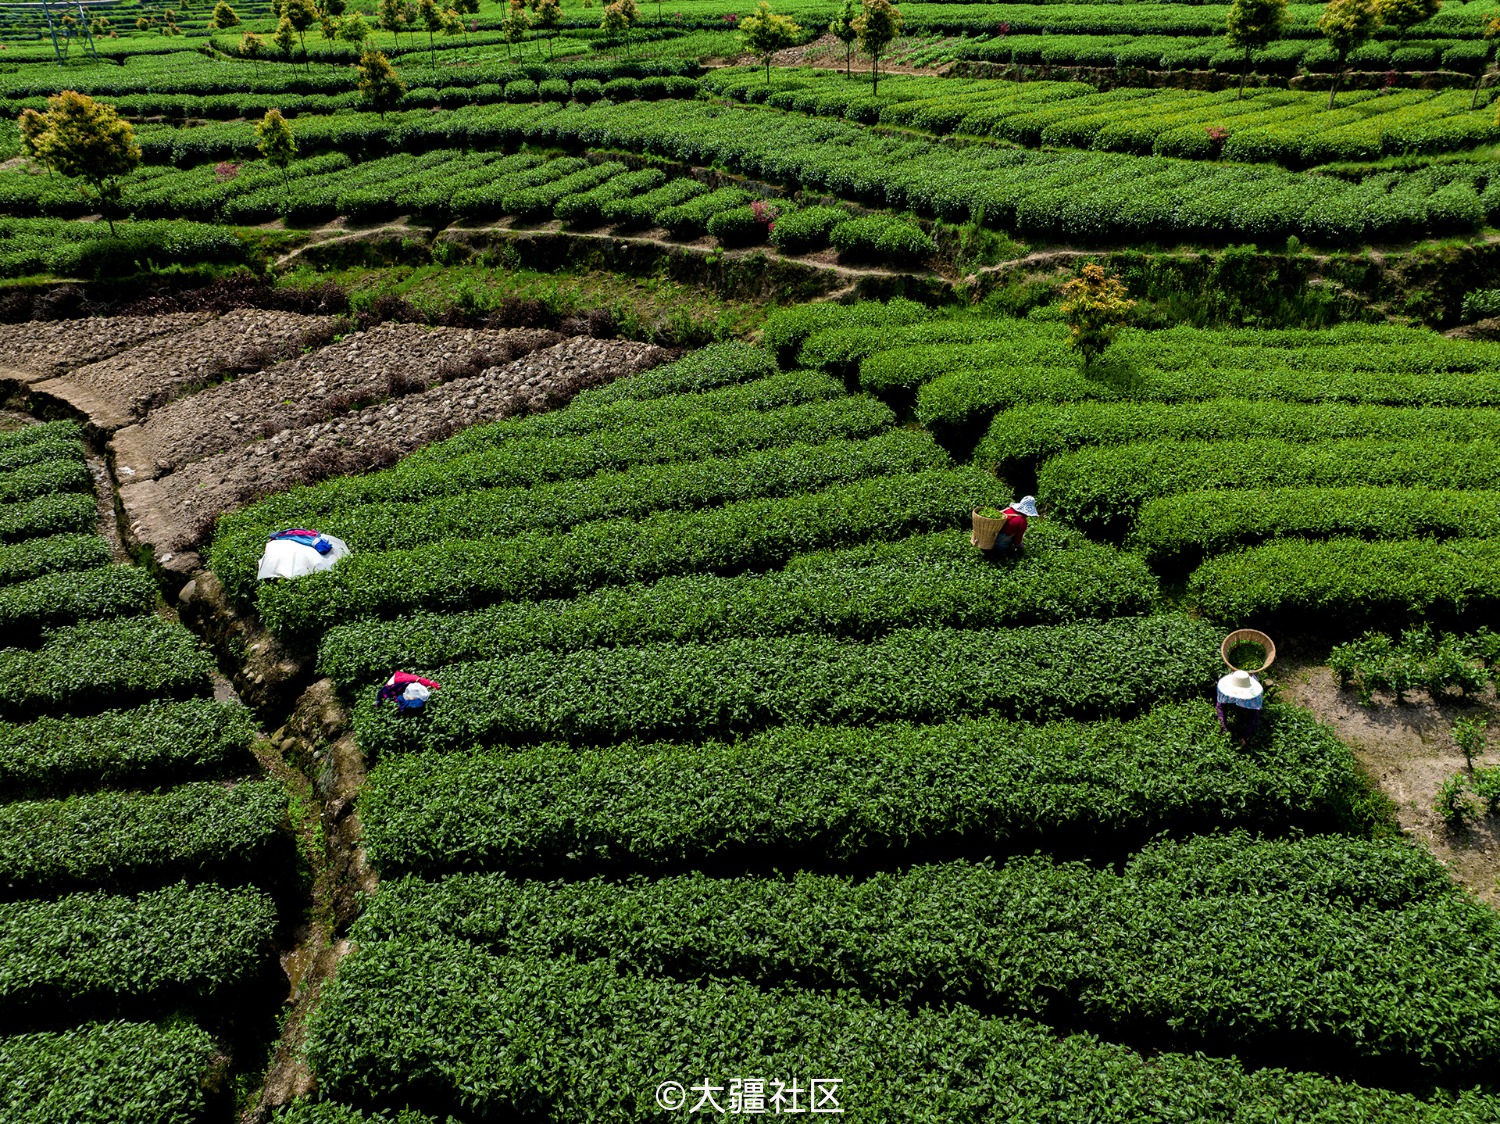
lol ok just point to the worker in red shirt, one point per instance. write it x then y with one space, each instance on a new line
1013 530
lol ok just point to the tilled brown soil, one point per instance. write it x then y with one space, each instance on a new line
117 391
363 368
42 349
175 510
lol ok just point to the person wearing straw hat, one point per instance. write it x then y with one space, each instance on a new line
1243 694
1013 530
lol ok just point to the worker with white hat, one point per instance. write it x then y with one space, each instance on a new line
1013 530
1242 692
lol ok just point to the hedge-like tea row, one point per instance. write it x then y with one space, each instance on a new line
787 330
455 1028
791 796
90 667
105 1073
749 535
21 562
327 1112
47 432
720 365
1180 530
863 592
1163 944
1034 433
539 460
48 515
633 494
54 447
200 828
770 392
57 475
98 951
60 599
1101 489
1345 582
155 743
707 690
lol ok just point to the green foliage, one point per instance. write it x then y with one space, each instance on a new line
1403 15
379 85
765 32
28 607
50 448
787 330
159 742
1454 803
68 474
196 945
1345 583
860 592
805 229
197 829
747 535
882 238
22 561
1044 939
1470 735
1347 25
49 515
275 140
101 664
852 795
877 25
82 139
224 16
696 690
1420 657
1095 307
106 1072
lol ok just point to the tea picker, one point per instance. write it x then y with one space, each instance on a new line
1002 532
409 692
298 552
1240 696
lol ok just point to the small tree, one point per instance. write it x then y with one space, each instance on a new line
224 16
83 139
765 33
1347 25
274 138
516 24
432 20
619 18
1095 306
302 14
1470 734
285 38
354 28
877 27
379 84
391 18
545 16
1253 25
252 46
842 28
1404 15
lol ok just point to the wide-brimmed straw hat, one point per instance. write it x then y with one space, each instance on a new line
1240 685
1026 505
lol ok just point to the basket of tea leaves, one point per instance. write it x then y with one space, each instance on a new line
987 524
1248 649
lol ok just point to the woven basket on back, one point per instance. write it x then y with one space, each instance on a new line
1255 636
985 530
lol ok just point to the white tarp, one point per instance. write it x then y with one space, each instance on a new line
287 558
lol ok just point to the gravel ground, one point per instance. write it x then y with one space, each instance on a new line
43 349
175 511
117 391
363 368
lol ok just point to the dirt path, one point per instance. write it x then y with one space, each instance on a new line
1409 751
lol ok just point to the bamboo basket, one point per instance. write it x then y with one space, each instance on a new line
1255 636
985 530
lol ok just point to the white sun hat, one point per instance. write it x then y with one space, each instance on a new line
1026 505
1240 685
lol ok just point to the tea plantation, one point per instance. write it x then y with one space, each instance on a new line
654 367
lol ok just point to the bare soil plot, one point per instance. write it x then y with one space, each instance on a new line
363 368
117 391
42 349
174 511
1409 751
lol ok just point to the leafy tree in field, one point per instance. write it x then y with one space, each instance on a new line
877 27
1404 15
1347 25
842 28
392 18
302 14
432 20
545 16
83 139
765 33
252 46
354 28
453 24
1491 30
516 24
619 18
285 38
274 139
1095 306
379 84
1253 25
